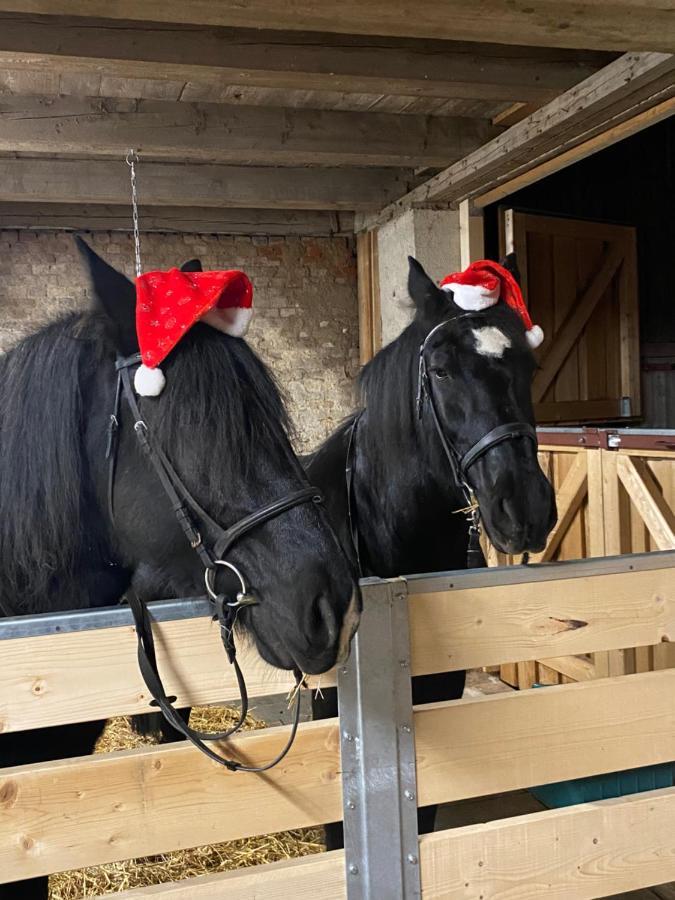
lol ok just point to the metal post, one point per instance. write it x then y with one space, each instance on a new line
378 752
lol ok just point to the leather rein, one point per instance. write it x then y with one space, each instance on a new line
459 463
188 512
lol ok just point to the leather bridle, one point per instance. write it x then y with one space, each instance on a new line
193 519
460 463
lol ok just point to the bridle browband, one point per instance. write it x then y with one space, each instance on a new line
188 512
460 463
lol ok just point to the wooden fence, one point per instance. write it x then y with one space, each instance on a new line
86 811
616 494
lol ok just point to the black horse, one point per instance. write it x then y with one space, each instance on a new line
403 490
223 424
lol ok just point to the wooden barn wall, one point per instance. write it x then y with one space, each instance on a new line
631 183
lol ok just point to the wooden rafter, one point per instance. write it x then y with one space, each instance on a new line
95 217
166 184
600 24
199 63
620 91
234 134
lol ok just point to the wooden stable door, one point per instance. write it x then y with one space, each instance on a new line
580 283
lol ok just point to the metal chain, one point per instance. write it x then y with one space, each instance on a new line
132 157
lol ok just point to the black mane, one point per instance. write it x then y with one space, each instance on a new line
48 531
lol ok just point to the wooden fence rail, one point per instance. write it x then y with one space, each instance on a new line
121 805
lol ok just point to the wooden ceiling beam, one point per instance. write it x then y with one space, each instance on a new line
234 135
176 219
216 187
594 24
622 91
199 64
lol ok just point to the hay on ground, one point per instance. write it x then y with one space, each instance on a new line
181 864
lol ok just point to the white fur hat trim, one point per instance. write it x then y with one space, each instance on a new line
232 320
472 296
149 382
535 336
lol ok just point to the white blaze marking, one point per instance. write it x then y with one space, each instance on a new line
490 341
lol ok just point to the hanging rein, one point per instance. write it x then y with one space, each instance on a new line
188 512
459 463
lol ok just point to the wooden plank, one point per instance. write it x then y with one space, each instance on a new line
201 63
612 845
66 678
621 90
569 496
578 668
167 184
364 285
471 234
135 803
582 310
605 139
235 135
609 25
466 628
555 412
190 220
596 503
576 853
630 325
644 492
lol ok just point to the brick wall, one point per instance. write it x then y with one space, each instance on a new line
306 322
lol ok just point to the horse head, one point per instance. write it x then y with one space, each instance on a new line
478 370
222 424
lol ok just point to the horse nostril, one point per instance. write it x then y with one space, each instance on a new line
325 618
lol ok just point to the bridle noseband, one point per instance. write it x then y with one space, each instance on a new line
460 463
188 512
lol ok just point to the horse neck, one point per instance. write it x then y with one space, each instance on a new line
403 498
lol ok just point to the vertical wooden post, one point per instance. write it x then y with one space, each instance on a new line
368 280
471 237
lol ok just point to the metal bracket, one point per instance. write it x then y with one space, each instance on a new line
377 742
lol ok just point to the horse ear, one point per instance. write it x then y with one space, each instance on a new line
510 263
430 301
114 297
192 265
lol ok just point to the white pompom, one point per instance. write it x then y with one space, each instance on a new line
149 382
535 336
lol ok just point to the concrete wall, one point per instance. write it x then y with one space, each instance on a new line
432 237
306 322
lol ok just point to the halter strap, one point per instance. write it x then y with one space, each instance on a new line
184 507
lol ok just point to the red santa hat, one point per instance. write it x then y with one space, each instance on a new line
169 303
483 284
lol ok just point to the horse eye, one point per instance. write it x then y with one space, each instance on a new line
440 373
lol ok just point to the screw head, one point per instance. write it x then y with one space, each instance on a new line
344 670
412 859
406 729
353 870
347 736
351 805
408 795
403 663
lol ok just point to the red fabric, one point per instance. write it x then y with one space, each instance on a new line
169 303
490 274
